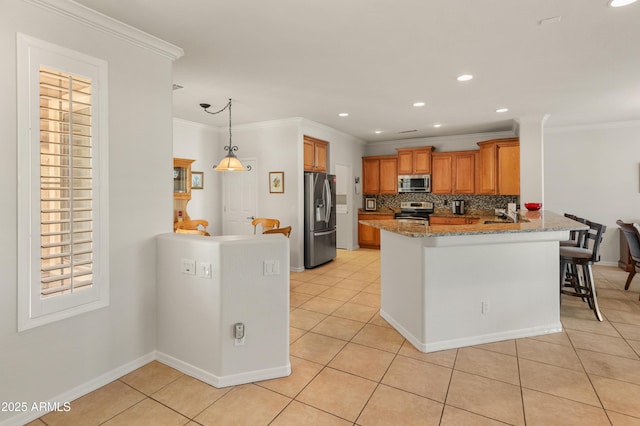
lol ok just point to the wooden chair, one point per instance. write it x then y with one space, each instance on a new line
265 222
192 231
286 231
631 232
192 225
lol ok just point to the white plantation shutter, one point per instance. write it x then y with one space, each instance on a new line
65 183
62 175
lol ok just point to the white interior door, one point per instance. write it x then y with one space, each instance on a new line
239 194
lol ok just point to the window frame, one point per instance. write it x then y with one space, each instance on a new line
33 310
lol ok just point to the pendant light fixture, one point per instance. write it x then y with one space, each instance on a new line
230 162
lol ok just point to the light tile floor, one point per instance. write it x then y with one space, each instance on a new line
350 367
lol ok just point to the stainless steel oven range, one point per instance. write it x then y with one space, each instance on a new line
415 209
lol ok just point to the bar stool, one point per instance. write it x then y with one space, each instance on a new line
576 274
576 238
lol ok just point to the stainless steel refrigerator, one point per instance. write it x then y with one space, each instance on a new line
319 218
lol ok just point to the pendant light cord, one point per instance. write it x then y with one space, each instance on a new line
228 105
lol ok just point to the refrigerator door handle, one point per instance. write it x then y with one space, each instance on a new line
327 195
319 234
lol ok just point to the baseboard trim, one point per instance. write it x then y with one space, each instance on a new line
81 390
224 381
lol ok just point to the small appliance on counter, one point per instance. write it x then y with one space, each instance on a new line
370 204
457 206
415 209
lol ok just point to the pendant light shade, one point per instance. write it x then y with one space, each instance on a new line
230 163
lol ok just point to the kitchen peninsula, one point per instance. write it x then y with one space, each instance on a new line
448 286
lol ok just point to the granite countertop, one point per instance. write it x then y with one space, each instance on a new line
530 222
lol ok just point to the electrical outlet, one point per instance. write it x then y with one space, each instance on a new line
188 266
238 334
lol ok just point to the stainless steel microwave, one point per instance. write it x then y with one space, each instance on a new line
414 183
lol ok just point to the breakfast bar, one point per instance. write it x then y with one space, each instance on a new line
448 286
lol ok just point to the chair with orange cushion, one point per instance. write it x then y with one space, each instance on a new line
265 222
286 231
192 225
192 231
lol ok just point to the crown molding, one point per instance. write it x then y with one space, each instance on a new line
594 126
108 25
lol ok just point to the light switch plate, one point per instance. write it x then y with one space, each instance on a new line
271 267
204 270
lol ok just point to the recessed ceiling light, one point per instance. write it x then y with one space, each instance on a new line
418 104
502 110
620 3
465 77
437 125
378 132
343 114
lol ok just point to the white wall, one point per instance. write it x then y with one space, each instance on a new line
72 355
594 172
202 143
277 146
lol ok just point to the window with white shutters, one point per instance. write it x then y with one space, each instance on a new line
65 183
63 252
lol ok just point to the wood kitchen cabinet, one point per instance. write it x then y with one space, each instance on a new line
369 237
449 220
453 172
499 167
315 154
380 175
414 161
181 187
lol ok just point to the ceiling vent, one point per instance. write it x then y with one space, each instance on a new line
408 131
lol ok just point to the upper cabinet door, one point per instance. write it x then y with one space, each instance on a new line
405 161
316 153
414 161
499 168
441 168
508 168
422 160
464 172
389 175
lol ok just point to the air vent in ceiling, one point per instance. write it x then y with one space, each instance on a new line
408 131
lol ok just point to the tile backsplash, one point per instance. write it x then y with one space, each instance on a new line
472 202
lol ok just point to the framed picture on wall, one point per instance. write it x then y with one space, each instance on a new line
276 182
197 180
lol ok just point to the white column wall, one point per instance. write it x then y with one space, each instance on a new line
531 160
